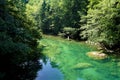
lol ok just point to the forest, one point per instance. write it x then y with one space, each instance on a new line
24 22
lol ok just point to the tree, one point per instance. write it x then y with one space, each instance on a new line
18 39
55 15
103 23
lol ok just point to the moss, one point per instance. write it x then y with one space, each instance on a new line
82 65
92 74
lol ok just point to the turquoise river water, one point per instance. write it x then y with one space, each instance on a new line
67 60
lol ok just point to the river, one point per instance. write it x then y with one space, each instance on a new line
67 60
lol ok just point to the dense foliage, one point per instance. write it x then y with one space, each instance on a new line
103 23
97 21
21 22
57 14
18 40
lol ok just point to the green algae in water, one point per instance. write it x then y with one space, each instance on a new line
69 55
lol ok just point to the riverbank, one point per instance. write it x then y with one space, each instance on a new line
95 46
89 44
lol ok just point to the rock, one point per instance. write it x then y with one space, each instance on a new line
97 55
82 65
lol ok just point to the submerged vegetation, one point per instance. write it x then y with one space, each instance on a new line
22 23
71 59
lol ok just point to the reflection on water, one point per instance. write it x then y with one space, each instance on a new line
74 64
49 72
26 71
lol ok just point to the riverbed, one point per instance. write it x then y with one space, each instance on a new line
67 60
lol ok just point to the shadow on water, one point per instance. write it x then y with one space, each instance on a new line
23 72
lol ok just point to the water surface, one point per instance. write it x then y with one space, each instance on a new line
67 60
